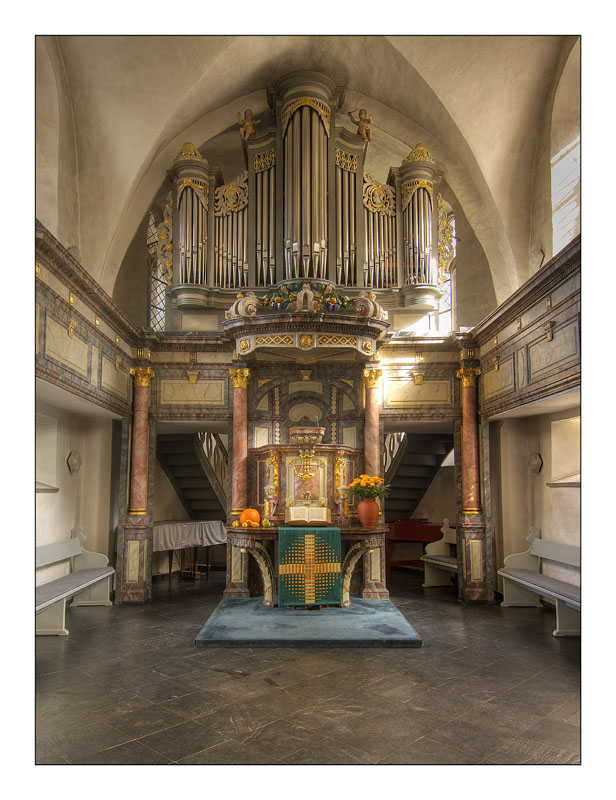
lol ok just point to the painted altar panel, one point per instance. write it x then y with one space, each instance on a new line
275 479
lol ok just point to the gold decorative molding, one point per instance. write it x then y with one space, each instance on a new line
549 329
519 324
37 269
71 299
367 347
468 375
192 376
319 106
142 375
420 153
118 361
97 322
333 339
305 373
495 362
306 340
117 340
192 358
265 160
71 327
548 303
417 378
240 377
372 377
346 161
189 152
244 345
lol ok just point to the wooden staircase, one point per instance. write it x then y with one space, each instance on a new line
411 470
196 465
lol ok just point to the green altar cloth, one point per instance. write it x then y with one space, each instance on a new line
309 569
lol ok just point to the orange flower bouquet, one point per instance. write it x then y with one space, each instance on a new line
369 487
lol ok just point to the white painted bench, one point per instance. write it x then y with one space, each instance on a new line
89 582
524 583
439 565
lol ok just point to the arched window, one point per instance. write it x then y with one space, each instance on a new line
158 281
566 194
446 256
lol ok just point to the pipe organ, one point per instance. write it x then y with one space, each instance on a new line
305 132
380 269
305 209
231 248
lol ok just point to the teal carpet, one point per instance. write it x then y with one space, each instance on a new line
246 622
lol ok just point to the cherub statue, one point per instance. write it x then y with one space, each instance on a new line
363 124
247 125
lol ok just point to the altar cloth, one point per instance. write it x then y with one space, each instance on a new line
309 568
246 622
192 533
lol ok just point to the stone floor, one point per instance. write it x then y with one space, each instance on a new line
490 686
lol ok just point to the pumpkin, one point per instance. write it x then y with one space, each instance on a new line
250 515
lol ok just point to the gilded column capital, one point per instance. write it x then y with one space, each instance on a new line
240 377
468 375
372 377
142 375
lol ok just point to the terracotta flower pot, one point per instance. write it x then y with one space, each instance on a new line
368 512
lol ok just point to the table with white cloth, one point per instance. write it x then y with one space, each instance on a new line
171 536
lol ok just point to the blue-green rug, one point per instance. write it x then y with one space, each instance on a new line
246 622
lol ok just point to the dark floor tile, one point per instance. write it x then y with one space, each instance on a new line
197 703
326 752
128 753
477 740
231 752
427 751
141 721
182 740
282 738
81 741
555 733
165 689
520 750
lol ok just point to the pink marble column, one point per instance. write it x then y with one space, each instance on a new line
138 497
372 453
239 453
473 578
471 503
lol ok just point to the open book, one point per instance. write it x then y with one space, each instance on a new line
308 515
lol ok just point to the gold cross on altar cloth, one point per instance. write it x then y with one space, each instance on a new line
309 568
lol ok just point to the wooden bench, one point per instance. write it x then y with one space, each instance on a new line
89 582
408 530
440 561
524 583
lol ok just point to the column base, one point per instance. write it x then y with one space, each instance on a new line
375 590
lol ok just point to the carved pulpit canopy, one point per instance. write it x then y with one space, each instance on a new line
305 316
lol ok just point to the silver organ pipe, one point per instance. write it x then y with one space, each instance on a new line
271 278
305 203
339 213
259 211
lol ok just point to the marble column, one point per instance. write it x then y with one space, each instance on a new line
473 579
372 454
237 562
135 539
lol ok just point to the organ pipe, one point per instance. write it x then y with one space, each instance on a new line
305 206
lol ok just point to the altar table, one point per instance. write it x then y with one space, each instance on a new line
181 535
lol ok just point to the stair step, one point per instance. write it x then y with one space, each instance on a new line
200 505
191 483
188 472
402 482
422 458
180 459
193 495
414 471
171 447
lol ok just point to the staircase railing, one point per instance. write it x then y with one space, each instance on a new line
393 453
214 460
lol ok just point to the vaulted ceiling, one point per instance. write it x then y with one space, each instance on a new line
114 111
